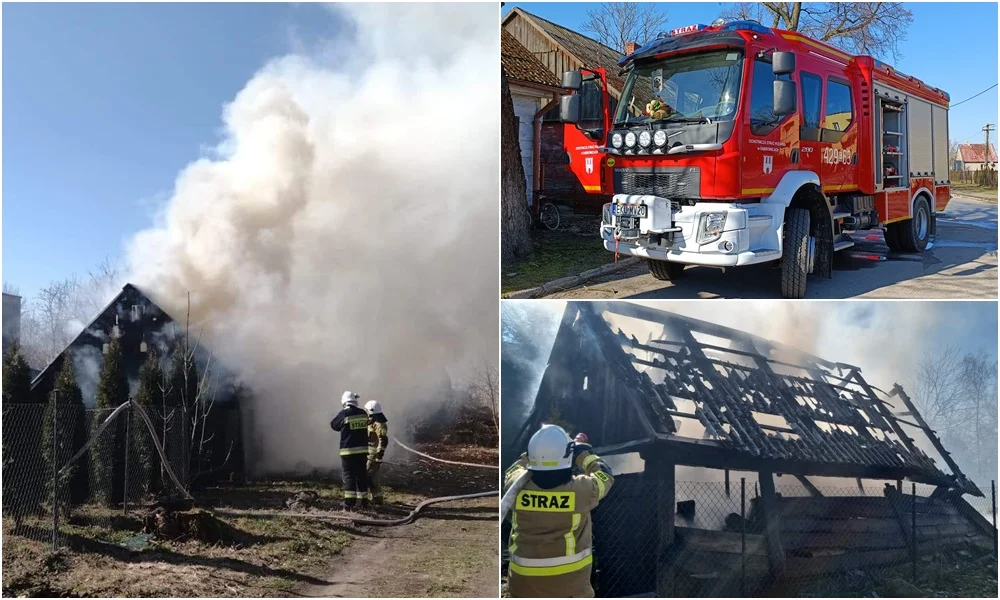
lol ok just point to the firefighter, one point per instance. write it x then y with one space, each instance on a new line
550 537
378 440
352 423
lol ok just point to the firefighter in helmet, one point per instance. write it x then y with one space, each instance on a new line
550 537
378 440
352 423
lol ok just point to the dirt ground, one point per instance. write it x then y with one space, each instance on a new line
449 551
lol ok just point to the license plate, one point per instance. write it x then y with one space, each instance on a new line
630 210
628 222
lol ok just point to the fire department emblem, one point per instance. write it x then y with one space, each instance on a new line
590 165
768 164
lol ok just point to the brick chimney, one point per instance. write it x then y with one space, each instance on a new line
630 48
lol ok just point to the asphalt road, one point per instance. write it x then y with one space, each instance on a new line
961 263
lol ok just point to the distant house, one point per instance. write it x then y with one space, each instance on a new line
972 157
11 320
558 50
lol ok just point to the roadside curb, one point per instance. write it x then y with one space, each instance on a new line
557 285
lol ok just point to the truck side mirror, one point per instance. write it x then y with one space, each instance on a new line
784 97
569 108
783 63
572 80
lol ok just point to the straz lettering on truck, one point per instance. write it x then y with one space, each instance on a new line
749 144
534 500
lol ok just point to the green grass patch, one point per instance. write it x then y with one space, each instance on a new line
557 254
975 191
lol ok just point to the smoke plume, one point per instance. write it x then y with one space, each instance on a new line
343 235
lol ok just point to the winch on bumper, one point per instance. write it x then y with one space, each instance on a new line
716 234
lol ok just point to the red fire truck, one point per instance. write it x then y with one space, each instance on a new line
735 144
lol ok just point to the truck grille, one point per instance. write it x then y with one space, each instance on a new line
666 182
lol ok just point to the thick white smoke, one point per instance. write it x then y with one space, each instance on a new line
345 235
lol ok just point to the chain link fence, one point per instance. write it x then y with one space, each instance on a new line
60 490
986 178
827 541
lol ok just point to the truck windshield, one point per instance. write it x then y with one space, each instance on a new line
692 88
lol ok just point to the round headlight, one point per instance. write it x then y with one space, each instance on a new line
630 139
644 139
616 140
660 137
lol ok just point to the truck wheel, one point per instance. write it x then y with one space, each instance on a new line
795 262
665 270
892 237
914 232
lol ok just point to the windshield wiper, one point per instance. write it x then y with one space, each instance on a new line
688 120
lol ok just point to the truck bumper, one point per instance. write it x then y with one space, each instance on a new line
750 233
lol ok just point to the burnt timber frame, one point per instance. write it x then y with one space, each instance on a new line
624 410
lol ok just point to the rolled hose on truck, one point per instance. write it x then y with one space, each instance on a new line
380 522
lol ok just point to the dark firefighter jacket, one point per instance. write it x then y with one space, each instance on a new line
352 423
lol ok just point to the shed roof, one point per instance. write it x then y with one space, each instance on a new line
519 64
590 52
752 404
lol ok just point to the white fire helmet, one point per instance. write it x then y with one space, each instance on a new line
349 398
372 407
550 449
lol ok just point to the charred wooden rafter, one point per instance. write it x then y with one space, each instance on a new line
835 422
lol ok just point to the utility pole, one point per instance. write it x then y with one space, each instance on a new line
986 152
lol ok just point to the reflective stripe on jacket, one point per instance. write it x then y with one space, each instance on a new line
352 423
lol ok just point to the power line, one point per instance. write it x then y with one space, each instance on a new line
971 97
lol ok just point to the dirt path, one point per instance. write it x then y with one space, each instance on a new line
450 551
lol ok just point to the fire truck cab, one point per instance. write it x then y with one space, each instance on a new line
735 144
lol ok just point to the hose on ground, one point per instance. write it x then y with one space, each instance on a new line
356 520
441 460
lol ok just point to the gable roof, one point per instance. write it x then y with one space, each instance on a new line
591 53
717 397
974 153
518 64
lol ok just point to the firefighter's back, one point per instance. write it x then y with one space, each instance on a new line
552 540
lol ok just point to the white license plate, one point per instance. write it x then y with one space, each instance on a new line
630 210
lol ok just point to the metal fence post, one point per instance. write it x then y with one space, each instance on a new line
55 469
993 493
743 537
913 531
128 432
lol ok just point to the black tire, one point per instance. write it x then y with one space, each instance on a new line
665 270
795 259
914 233
892 237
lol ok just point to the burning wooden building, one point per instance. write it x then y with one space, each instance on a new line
696 394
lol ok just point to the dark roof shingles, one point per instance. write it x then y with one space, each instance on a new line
593 53
519 64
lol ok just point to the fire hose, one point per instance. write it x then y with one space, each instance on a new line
379 522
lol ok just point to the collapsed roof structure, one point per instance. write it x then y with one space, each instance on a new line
758 405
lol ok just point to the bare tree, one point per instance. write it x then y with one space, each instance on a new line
874 28
485 388
614 24
956 393
515 219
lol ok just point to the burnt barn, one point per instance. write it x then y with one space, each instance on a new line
142 327
740 461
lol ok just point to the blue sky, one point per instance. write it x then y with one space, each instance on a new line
104 104
952 46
